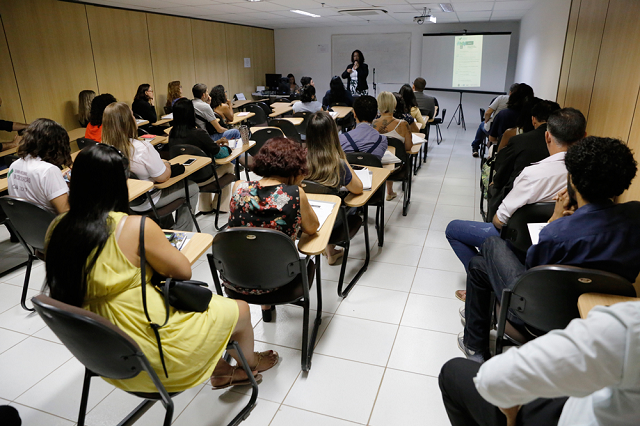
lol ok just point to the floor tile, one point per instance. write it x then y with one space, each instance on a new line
437 239
388 276
432 313
457 212
442 259
374 304
9 296
456 200
29 416
396 253
286 327
422 351
36 279
9 338
409 236
17 319
433 282
289 416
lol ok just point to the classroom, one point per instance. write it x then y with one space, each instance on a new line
444 282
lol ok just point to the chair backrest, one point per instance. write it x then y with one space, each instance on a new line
546 297
266 108
201 175
363 159
85 142
283 100
482 111
287 128
98 344
401 152
29 220
312 187
273 258
444 113
332 104
302 127
262 136
516 230
259 117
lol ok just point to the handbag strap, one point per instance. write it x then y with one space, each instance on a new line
165 290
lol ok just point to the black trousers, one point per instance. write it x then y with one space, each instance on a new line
465 406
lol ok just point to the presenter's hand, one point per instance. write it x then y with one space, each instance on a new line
349 70
355 65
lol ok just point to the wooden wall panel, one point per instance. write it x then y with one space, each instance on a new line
210 45
568 52
172 54
51 51
584 58
263 56
240 46
633 193
120 38
11 106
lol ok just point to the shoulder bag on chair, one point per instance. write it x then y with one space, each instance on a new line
187 295
207 125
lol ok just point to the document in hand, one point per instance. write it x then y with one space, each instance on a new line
322 209
417 139
365 177
534 231
389 158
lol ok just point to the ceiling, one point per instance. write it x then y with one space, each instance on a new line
276 13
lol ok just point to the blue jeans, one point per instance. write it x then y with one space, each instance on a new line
229 134
480 135
465 235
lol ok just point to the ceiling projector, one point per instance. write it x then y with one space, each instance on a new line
425 17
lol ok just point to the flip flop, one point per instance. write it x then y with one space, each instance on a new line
247 381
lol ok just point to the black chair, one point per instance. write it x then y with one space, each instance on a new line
287 127
107 351
302 127
259 119
85 142
516 230
545 297
266 108
332 104
204 174
29 223
403 173
274 263
437 122
378 199
482 111
262 136
345 228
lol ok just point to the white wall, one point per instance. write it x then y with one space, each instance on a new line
298 52
542 34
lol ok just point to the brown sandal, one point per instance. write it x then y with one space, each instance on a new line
246 381
262 355
461 295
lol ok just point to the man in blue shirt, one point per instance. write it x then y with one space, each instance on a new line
587 229
364 138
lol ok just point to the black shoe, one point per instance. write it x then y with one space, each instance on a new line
267 314
475 154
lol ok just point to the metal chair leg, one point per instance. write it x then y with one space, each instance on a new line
25 286
254 393
193 216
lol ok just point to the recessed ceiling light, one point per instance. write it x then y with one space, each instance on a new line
302 12
253 1
446 7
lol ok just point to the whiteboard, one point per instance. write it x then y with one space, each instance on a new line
389 54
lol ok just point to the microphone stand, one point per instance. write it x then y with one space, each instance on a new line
375 91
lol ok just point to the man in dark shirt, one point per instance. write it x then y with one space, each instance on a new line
587 229
426 103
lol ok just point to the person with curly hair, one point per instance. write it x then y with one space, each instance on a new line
220 103
276 201
174 92
587 229
98 105
36 176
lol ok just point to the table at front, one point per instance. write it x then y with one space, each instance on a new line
237 152
588 301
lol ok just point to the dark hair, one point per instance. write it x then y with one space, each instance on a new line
400 108
420 83
600 168
80 235
520 96
360 54
218 96
48 140
408 97
289 76
305 81
184 118
280 157
141 93
513 87
337 92
567 125
308 92
98 104
365 108
524 117
198 90
543 109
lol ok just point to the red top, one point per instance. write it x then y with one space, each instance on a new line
93 132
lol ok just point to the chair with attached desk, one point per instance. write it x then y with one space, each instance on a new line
107 351
207 173
516 230
29 223
545 298
302 127
266 259
377 200
402 173
265 107
85 142
287 127
260 118
346 123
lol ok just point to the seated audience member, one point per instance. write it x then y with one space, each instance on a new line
308 101
144 106
522 151
539 182
10 126
391 127
508 117
337 93
426 104
97 237
411 105
305 81
401 113
593 362
120 132
84 106
364 138
293 86
185 132
174 92
328 165
221 104
206 118
36 175
94 128
587 229
498 104
276 201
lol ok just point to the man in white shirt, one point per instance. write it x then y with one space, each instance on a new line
595 362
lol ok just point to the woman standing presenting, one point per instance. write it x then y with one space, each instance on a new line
356 74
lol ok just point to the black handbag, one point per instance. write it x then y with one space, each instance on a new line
184 295
207 125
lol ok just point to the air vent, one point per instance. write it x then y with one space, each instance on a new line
363 12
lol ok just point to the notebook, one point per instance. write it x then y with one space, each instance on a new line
365 177
389 158
168 117
240 97
534 231
417 139
322 209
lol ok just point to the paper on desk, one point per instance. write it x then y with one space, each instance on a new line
417 139
389 158
168 117
534 231
322 209
334 114
365 177
235 143
140 121
242 114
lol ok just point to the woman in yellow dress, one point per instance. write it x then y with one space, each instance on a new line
92 261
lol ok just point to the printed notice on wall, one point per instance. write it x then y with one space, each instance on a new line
247 62
467 61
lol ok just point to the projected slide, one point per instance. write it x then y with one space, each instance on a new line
467 61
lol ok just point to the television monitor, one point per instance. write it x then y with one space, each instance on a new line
272 81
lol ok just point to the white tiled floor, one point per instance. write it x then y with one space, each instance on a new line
379 350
